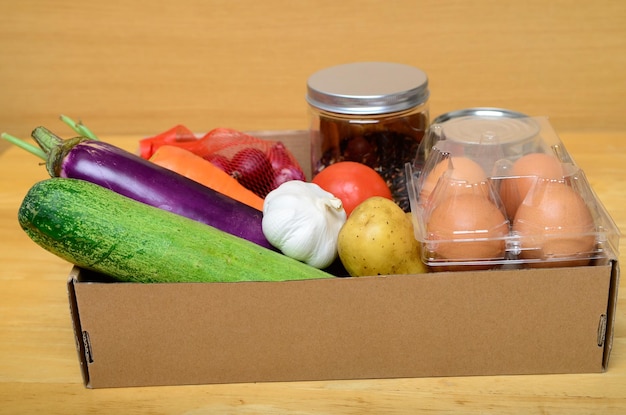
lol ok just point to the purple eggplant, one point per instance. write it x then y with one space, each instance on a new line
132 176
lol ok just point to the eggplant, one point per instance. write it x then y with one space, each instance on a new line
136 178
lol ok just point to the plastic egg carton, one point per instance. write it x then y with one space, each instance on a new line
497 192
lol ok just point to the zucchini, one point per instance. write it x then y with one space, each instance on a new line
100 230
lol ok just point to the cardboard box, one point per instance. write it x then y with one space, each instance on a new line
531 321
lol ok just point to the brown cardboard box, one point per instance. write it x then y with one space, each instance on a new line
532 321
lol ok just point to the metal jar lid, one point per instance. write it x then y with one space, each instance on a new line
470 126
365 88
479 112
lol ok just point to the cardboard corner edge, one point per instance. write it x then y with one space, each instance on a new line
610 314
78 331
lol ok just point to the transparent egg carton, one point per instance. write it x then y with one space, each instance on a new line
492 192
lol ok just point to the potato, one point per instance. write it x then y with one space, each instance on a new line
378 239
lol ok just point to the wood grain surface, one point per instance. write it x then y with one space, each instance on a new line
138 66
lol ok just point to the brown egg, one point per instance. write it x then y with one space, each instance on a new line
554 223
523 175
467 227
458 168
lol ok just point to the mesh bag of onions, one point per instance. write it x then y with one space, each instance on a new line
260 165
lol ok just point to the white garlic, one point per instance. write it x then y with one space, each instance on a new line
303 221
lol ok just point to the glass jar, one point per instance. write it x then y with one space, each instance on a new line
373 113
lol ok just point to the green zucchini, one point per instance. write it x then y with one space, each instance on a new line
98 229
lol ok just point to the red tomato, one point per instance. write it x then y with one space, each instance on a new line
352 182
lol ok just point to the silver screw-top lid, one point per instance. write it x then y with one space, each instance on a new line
364 88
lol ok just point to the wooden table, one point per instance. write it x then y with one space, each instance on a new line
39 367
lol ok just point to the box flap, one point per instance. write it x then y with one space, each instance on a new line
607 337
78 331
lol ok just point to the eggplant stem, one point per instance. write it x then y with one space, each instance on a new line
46 139
24 145
79 127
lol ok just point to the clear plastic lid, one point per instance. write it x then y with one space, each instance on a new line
504 192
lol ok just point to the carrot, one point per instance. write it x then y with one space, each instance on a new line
196 168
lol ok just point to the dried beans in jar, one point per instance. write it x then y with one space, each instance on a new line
374 113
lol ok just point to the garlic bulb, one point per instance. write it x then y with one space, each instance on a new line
303 221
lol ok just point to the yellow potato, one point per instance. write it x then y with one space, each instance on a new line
378 239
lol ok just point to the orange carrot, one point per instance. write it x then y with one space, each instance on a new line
196 168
